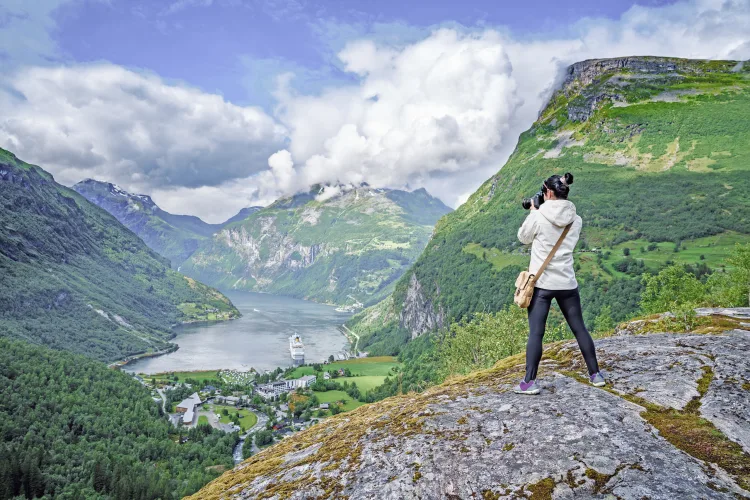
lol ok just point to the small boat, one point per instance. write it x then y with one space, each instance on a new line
297 350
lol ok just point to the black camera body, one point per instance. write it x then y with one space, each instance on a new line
537 199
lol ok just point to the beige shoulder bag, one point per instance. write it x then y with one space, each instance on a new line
526 281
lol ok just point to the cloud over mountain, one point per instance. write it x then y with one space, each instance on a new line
439 108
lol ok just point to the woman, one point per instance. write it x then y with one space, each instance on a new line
542 228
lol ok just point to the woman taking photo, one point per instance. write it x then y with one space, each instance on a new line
542 228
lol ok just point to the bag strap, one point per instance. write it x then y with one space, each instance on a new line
552 252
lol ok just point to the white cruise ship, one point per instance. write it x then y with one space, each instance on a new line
297 350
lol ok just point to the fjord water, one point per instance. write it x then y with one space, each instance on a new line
259 339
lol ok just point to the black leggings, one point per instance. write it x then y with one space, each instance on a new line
570 305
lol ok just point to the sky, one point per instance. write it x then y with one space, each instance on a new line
213 105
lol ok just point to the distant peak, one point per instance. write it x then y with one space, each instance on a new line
113 190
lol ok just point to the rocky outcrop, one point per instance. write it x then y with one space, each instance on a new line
584 73
674 422
283 252
419 314
582 79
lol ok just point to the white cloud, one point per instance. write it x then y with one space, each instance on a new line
439 105
445 111
132 128
436 108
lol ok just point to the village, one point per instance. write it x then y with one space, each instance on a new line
266 407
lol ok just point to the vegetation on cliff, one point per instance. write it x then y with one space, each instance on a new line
659 149
74 278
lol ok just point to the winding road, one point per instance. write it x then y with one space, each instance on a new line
260 424
348 332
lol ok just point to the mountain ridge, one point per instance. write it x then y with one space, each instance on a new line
76 279
337 244
174 236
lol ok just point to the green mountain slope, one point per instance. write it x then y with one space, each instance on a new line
346 249
173 236
660 150
74 278
72 428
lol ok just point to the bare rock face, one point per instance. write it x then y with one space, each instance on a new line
580 76
674 422
587 72
419 314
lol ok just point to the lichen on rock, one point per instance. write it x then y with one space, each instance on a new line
672 423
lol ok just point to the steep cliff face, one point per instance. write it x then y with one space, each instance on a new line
584 73
672 423
346 248
419 314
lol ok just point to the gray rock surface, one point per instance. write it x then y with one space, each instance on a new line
474 438
419 314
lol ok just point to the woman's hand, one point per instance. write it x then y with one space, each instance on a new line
532 207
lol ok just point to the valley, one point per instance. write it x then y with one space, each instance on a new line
143 353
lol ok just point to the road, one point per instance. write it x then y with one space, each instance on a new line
163 400
259 425
349 332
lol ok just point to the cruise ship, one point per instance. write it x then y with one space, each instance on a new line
297 350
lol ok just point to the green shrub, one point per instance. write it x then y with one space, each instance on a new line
485 339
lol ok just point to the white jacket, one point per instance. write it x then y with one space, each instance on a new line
542 228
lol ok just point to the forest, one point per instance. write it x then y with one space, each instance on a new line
72 428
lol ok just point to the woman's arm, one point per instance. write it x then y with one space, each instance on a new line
528 229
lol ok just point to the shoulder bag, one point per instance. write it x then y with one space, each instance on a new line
526 281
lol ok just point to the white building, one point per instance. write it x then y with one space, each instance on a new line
302 382
230 400
271 390
187 408
275 389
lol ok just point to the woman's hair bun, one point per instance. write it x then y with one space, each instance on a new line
568 178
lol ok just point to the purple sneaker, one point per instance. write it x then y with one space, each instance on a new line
597 380
527 388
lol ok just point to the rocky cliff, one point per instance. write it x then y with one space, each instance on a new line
419 314
673 423
337 244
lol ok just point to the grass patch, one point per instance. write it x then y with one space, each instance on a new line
335 396
542 490
200 375
247 418
376 366
202 419
364 383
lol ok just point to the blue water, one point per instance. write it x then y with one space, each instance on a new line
259 339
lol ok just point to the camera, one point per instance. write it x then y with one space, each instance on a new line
537 199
